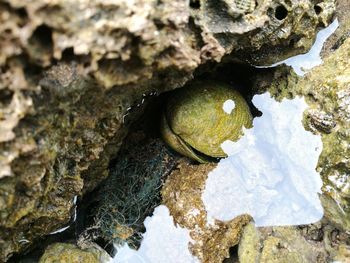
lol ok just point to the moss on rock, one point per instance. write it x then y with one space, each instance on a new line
327 89
310 243
69 253
182 194
74 74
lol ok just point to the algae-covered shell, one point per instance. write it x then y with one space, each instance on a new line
201 116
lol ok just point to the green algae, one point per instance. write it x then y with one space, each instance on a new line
65 252
249 247
69 123
319 242
327 92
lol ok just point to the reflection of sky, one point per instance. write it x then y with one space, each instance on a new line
162 242
302 63
228 106
270 172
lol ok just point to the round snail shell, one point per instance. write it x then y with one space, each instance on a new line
195 124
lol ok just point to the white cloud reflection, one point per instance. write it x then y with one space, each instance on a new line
270 172
162 242
228 106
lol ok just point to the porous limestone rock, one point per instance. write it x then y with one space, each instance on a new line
327 89
269 30
65 253
343 32
74 74
182 194
310 243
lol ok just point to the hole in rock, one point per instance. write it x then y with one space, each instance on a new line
294 40
40 46
317 9
127 171
42 35
5 97
22 12
233 255
281 12
195 4
68 54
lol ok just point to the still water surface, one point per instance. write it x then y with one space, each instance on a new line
269 173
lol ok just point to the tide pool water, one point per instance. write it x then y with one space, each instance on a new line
162 242
302 63
270 172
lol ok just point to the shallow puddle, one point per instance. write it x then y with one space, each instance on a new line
269 174
302 63
162 242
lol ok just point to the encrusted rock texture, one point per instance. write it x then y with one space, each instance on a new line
74 74
328 93
65 252
312 243
326 89
182 194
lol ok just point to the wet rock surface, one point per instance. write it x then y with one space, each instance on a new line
327 89
182 194
318 242
343 32
73 76
283 25
64 252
